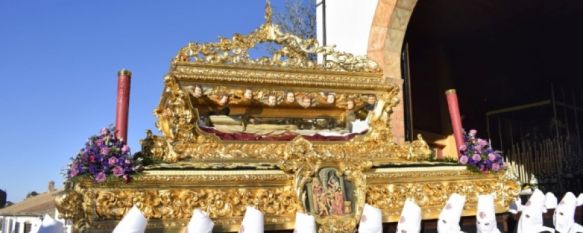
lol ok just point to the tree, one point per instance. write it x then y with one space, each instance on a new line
298 18
31 194
2 198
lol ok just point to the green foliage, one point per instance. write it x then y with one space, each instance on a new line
145 159
31 194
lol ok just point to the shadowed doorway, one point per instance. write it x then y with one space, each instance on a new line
500 56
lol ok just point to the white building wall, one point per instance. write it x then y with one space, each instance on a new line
9 223
348 24
67 224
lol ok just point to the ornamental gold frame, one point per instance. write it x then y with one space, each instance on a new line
167 198
199 170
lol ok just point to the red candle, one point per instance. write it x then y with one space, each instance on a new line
123 100
454 115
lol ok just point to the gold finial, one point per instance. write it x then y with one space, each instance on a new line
268 12
124 72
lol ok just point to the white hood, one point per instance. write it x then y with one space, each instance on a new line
486 215
252 221
564 216
371 220
305 223
133 222
531 219
50 225
449 218
200 222
410 220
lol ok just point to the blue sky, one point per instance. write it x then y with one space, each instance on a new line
58 65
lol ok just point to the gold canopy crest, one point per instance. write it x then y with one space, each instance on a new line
294 51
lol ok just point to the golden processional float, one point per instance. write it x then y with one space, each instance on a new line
284 134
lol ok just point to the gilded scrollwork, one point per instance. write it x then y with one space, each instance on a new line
177 117
195 168
294 52
175 114
430 194
227 62
76 204
308 165
172 195
210 150
100 203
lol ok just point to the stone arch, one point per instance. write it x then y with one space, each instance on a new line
384 46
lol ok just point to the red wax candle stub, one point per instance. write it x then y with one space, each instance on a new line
122 106
455 117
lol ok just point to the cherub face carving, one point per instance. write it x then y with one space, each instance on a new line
290 98
271 101
197 91
330 98
224 100
350 104
371 99
306 102
248 94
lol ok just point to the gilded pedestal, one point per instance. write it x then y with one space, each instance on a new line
284 134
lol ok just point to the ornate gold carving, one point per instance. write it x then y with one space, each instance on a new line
294 52
185 142
199 170
431 189
227 62
165 197
270 76
179 203
214 153
304 161
170 196
262 94
176 118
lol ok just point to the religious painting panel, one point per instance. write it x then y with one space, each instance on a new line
328 194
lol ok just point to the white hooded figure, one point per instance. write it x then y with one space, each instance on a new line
449 218
486 215
133 222
305 223
410 220
564 217
200 222
531 219
50 225
371 220
550 200
252 221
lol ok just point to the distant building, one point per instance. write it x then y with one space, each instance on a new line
26 216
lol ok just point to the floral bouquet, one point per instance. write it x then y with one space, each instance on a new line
478 154
103 155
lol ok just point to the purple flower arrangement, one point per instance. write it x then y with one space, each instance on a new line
478 154
103 155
